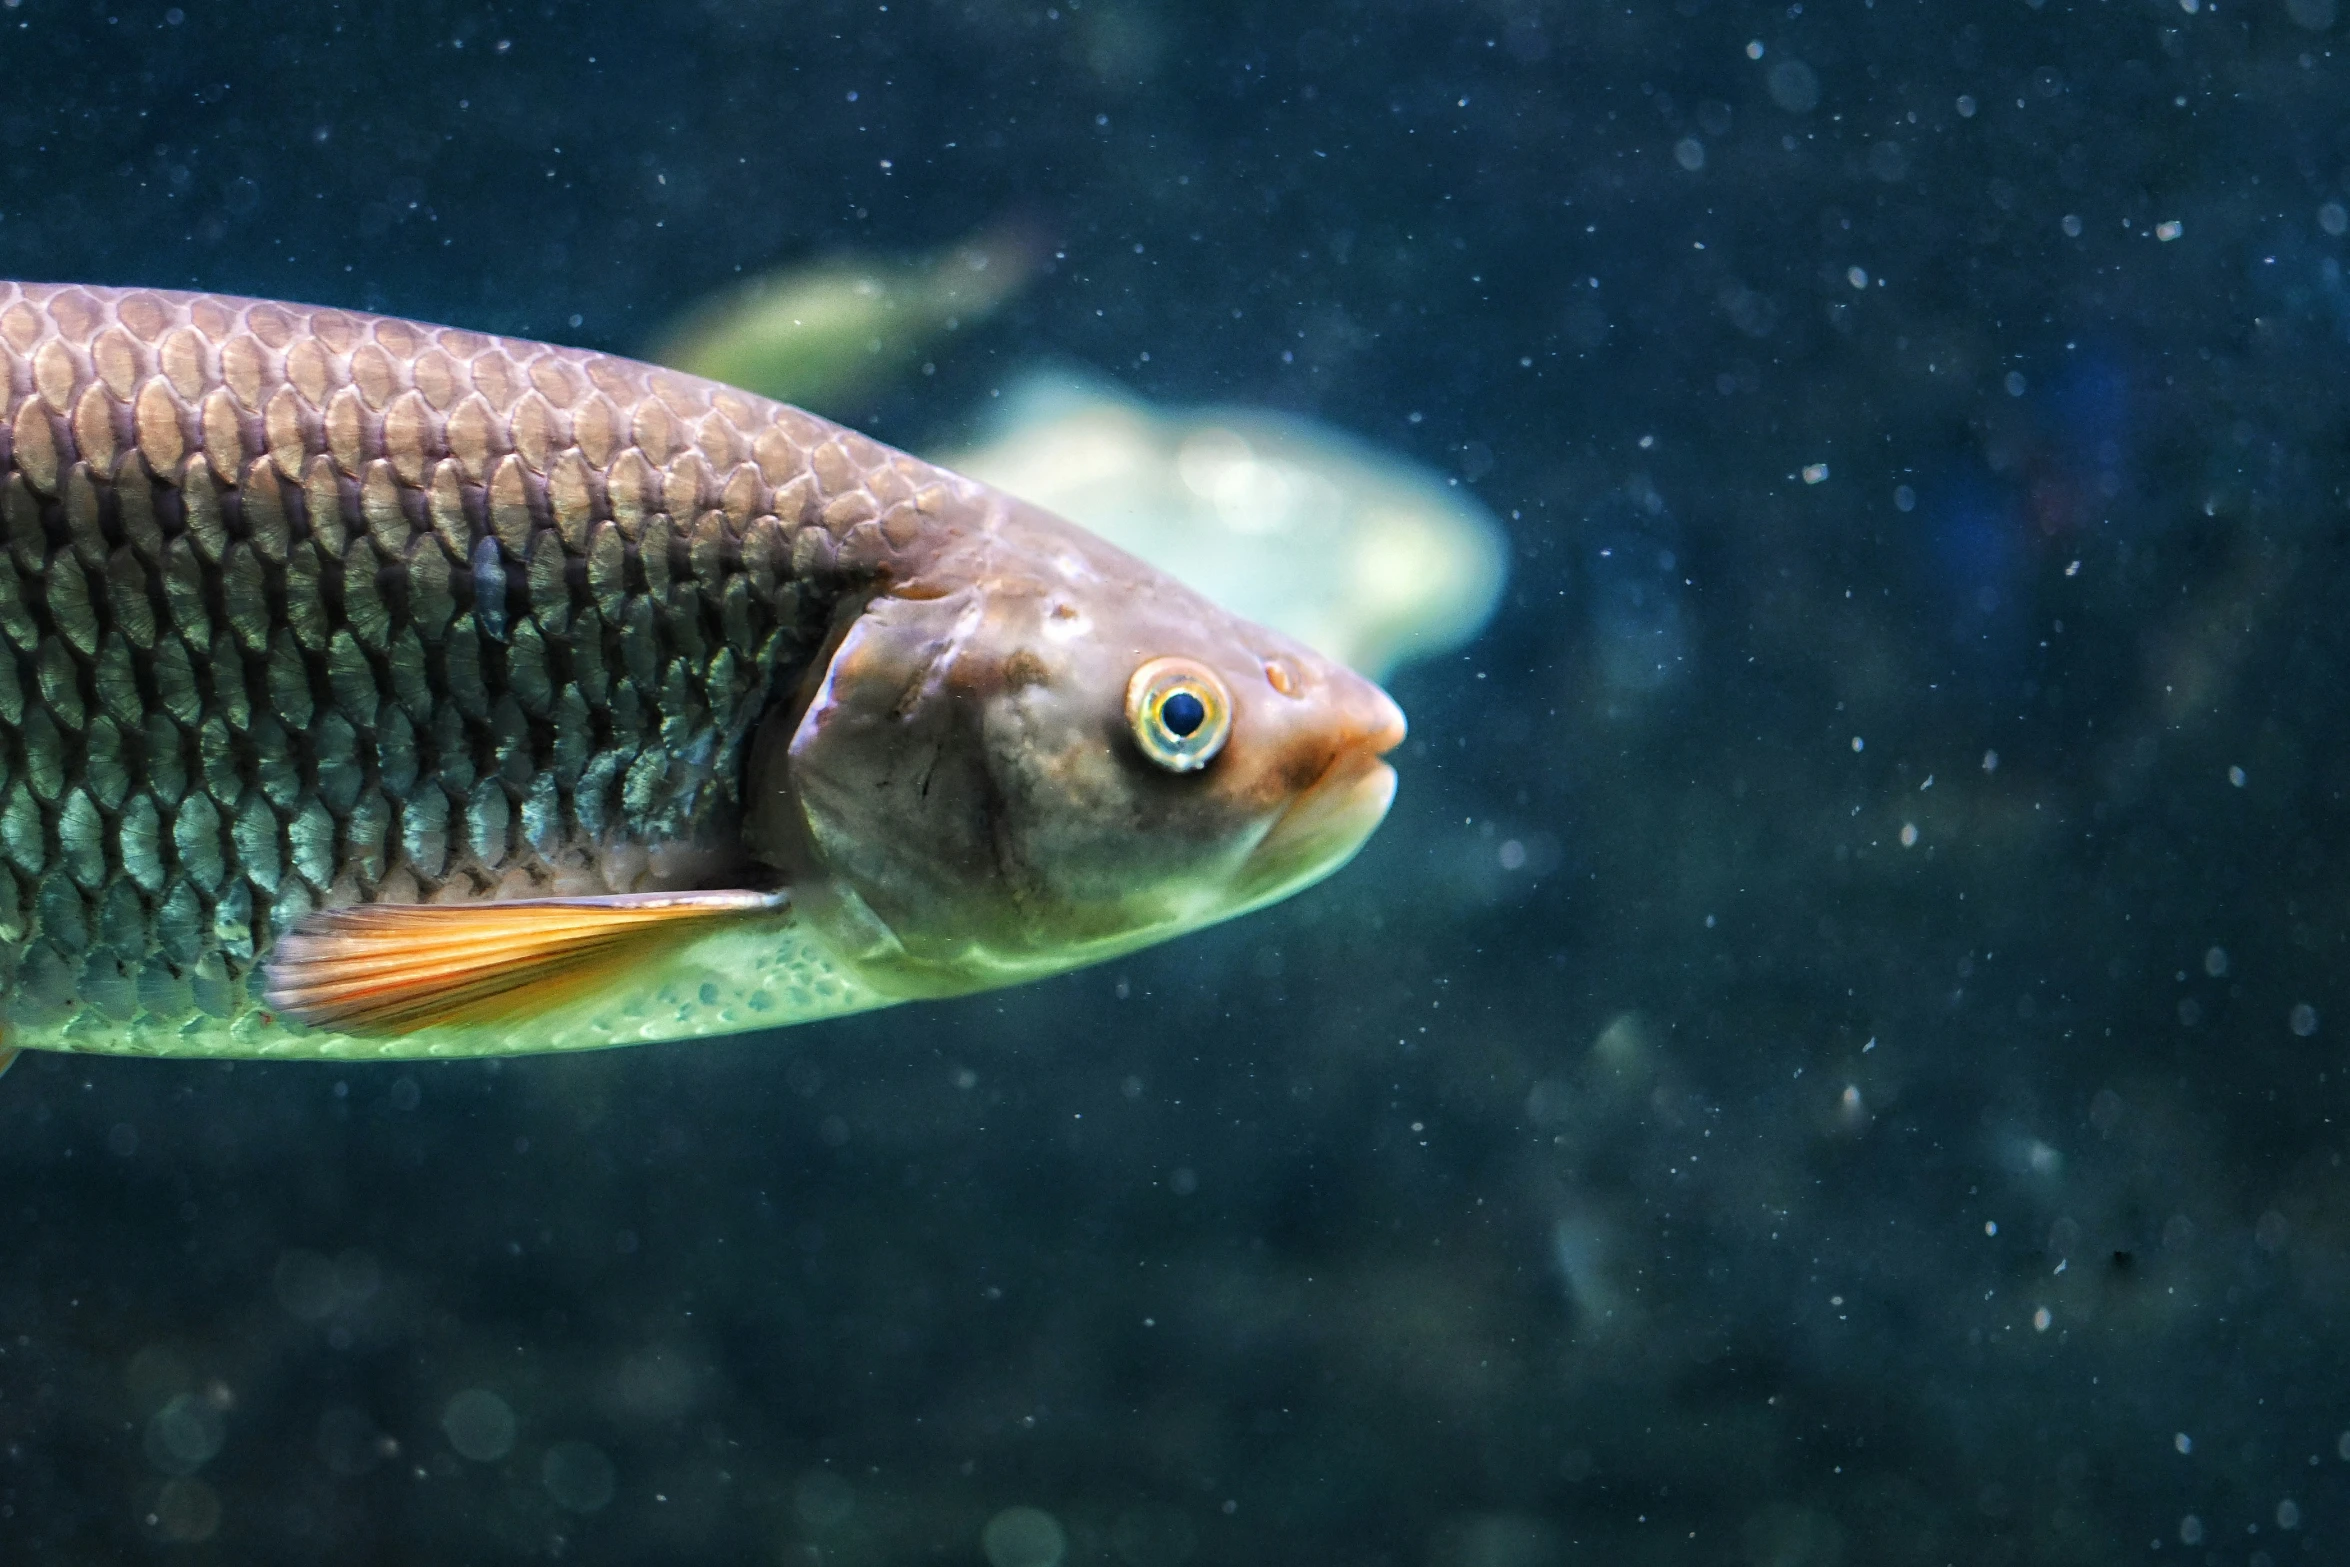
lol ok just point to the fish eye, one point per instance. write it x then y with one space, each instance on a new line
1179 712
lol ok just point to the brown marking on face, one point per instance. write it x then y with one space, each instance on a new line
1024 668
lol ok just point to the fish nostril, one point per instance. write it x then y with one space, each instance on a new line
1281 677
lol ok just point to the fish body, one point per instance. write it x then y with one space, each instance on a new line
370 688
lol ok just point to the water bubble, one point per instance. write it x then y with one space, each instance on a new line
305 1284
479 1425
185 1511
2072 225
1023 1537
2302 1020
184 1434
1794 86
578 1476
1689 152
1966 106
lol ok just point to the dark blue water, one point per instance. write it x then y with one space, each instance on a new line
1889 1108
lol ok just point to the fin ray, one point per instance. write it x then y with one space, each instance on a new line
395 968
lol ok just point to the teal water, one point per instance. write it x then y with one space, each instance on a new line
1834 1058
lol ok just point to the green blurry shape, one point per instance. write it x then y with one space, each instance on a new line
821 333
1365 557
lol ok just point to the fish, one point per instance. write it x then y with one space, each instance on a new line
378 690
826 332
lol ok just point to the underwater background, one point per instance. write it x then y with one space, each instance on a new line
1835 1056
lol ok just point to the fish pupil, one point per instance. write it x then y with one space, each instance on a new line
1182 713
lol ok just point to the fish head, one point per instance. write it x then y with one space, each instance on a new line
1037 752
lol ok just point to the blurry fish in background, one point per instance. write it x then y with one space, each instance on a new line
818 334
1367 558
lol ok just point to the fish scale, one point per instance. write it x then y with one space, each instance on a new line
304 608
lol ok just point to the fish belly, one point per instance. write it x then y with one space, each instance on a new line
302 608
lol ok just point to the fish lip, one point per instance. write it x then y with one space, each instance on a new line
1326 822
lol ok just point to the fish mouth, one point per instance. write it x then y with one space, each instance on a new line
1332 817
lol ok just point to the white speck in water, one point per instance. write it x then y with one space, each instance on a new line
2236 776
1990 1226
1858 743
1689 152
2014 383
2190 1527
1904 498
2303 1020
2288 1514
2041 1319
1909 835
1966 106
2215 962
2183 1442
1990 761
1754 50
1858 277
1815 473
2072 225
1512 855
2169 229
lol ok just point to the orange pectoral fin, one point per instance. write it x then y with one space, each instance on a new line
395 968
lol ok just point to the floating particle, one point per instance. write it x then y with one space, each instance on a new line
1023 1537
2333 218
2303 1020
2183 1442
2236 776
2169 229
1689 152
578 1476
479 1425
1909 835
2041 1319
1794 86
1990 761
1858 277
1815 473
2215 962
